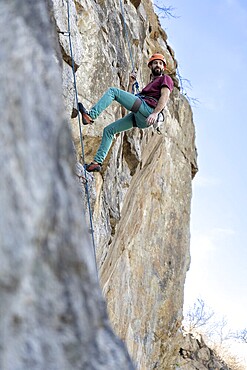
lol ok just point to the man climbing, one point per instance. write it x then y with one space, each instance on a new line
144 107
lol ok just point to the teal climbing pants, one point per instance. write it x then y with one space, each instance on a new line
127 100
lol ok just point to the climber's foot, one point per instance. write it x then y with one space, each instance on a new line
93 167
86 119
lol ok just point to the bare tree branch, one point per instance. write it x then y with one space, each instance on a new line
198 316
185 85
240 336
166 11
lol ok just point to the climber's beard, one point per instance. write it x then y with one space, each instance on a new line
156 71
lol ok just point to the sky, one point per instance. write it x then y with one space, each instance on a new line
210 43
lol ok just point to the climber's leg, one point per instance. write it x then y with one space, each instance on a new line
125 98
109 131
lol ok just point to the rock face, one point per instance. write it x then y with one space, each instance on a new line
52 314
195 354
141 202
143 271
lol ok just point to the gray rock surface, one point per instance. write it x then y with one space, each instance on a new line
196 355
52 314
141 201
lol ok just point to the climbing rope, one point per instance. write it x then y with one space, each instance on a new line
68 33
135 85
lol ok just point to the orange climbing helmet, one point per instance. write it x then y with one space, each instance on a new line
155 57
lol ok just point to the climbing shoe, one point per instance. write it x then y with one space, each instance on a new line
93 167
86 119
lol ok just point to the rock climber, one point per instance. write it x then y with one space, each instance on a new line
144 107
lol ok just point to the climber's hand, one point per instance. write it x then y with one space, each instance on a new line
152 118
132 78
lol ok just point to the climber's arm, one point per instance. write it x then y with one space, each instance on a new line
165 93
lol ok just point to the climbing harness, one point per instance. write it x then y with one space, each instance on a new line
160 119
135 107
85 179
135 86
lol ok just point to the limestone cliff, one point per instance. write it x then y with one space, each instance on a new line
52 313
196 355
141 202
